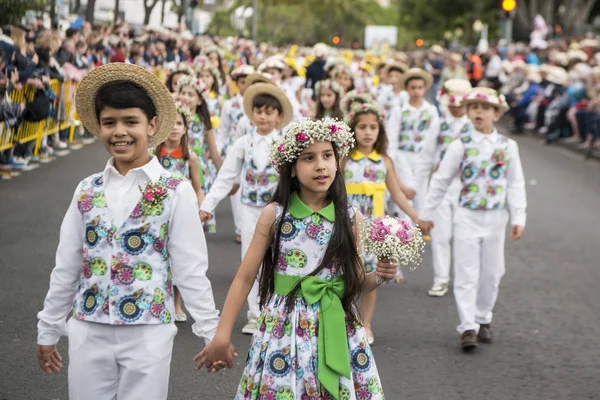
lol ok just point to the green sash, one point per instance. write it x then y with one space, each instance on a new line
332 355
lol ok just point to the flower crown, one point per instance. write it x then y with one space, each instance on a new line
181 67
329 84
305 132
354 96
369 107
213 71
212 49
188 80
341 69
184 110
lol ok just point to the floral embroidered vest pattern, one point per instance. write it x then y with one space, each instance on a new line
258 186
483 175
126 274
413 128
450 129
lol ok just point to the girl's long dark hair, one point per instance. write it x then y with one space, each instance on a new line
183 142
336 112
202 111
341 249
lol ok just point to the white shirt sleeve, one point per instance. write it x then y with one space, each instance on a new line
392 129
223 131
442 179
189 262
515 194
426 159
227 177
64 279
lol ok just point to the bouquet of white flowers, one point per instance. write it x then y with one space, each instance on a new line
394 239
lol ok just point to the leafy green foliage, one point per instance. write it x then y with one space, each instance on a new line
11 11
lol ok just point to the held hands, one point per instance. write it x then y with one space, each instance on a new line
205 216
517 232
49 359
425 226
218 354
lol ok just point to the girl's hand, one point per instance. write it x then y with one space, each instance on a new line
216 355
49 359
425 226
205 216
386 269
517 232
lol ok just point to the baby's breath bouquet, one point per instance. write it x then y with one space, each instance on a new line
394 239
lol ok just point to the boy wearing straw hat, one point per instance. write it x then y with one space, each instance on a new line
270 111
130 233
453 124
392 100
410 126
492 181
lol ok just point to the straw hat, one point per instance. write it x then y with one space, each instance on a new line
120 72
455 57
417 73
437 49
589 42
272 90
557 75
451 94
242 70
574 54
485 95
259 78
395 66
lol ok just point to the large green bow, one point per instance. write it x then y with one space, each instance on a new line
332 354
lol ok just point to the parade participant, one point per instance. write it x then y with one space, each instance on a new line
177 72
492 180
329 94
244 125
194 95
368 172
343 75
174 156
453 123
233 111
210 76
248 158
394 99
214 56
115 267
307 242
410 126
353 97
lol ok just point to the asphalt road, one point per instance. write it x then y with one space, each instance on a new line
547 320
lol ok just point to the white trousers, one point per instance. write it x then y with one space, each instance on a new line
478 264
108 362
249 218
405 169
441 234
236 203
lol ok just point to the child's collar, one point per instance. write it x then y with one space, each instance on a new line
299 210
357 155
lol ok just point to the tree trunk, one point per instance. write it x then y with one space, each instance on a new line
117 6
53 13
148 7
162 12
77 7
89 12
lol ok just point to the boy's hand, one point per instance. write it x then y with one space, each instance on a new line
205 216
218 354
517 232
409 193
49 359
425 226
234 189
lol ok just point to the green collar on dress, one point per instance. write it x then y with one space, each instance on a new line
299 210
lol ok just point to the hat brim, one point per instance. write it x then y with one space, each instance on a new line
85 101
395 67
424 75
501 107
271 90
257 78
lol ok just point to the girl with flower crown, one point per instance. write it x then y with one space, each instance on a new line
210 76
194 94
309 343
329 94
368 173
174 155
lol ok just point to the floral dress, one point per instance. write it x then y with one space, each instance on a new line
282 360
207 169
174 162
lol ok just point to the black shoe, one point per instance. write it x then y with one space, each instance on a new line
468 340
485 333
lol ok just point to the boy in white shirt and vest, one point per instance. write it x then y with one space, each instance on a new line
269 110
492 181
410 126
454 123
130 233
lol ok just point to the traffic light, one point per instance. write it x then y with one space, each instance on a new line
336 40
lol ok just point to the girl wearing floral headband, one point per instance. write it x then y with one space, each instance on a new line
329 94
343 75
194 95
368 173
214 55
306 240
353 97
210 77
174 155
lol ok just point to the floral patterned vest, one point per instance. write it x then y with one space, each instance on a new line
236 112
126 275
414 127
258 186
450 128
483 174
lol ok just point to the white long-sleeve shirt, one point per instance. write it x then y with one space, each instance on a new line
516 198
185 243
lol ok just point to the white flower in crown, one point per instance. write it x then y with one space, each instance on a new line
305 132
366 108
355 96
197 84
184 110
329 84
182 67
213 71
213 49
341 69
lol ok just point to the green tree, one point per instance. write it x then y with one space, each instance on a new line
12 11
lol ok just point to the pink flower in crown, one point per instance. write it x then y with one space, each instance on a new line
301 137
452 99
280 148
364 106
333 129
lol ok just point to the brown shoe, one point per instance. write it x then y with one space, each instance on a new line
485 333
468 340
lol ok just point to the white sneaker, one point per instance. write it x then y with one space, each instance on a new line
250 327
370 337
438 289
62 145
180 317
